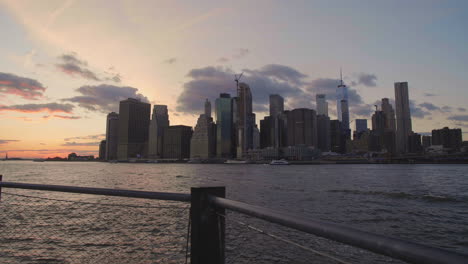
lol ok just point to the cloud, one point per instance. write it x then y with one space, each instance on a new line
24 87
67 117
76 144
105 97
461 109
115 77
209 82
73 66
429 94
281 73
33 108
240 53
429 106
462 118
89 137
170 61
366 79
223 59
6 141
447 108
417 111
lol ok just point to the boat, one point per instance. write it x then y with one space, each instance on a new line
38 160
235 162
279 162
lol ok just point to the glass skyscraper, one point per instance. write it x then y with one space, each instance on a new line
224 126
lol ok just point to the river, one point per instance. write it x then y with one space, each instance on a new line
421 203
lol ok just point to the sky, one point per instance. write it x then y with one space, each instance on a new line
64 65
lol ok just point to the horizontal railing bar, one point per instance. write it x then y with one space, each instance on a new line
181 197
392 247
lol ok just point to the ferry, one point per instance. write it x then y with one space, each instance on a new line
235 162
279 162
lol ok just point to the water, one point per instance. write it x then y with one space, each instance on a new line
422 203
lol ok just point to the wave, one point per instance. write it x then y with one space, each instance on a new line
407 196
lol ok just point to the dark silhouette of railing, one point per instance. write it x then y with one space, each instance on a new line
207 233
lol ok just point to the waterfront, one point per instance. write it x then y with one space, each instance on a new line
423 203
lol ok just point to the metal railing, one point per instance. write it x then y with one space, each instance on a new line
207 232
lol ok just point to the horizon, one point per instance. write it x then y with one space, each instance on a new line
59 78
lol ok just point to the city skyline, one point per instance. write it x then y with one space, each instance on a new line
56 91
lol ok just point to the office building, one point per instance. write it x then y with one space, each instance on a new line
256 137
207 108
276 105
176 142
322 104
225 147
426 141
337 141
203 141
342 105
403 116
159 121
448 138
414 143
102 150
112 136
323 133
134 118
301 127
276 126
361 127
389 114
245 120
345 116
265 132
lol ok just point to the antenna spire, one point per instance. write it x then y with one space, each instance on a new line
341 76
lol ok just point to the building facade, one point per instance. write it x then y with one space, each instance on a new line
225 147
112 136
245 120
323 133
159 121
322 104
403 116
203 141
134 118
448 138
177 142
301 127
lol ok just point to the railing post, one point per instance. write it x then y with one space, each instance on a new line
1 176
207 235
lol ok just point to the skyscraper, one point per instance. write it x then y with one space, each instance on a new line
203 141
345 115
301 127
403 116
224 126
276 111
134 118
112 136
323 133
276 105
207 108
159 121
389 114
102 150
322 104
245 121
177 142
342 94
361 125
